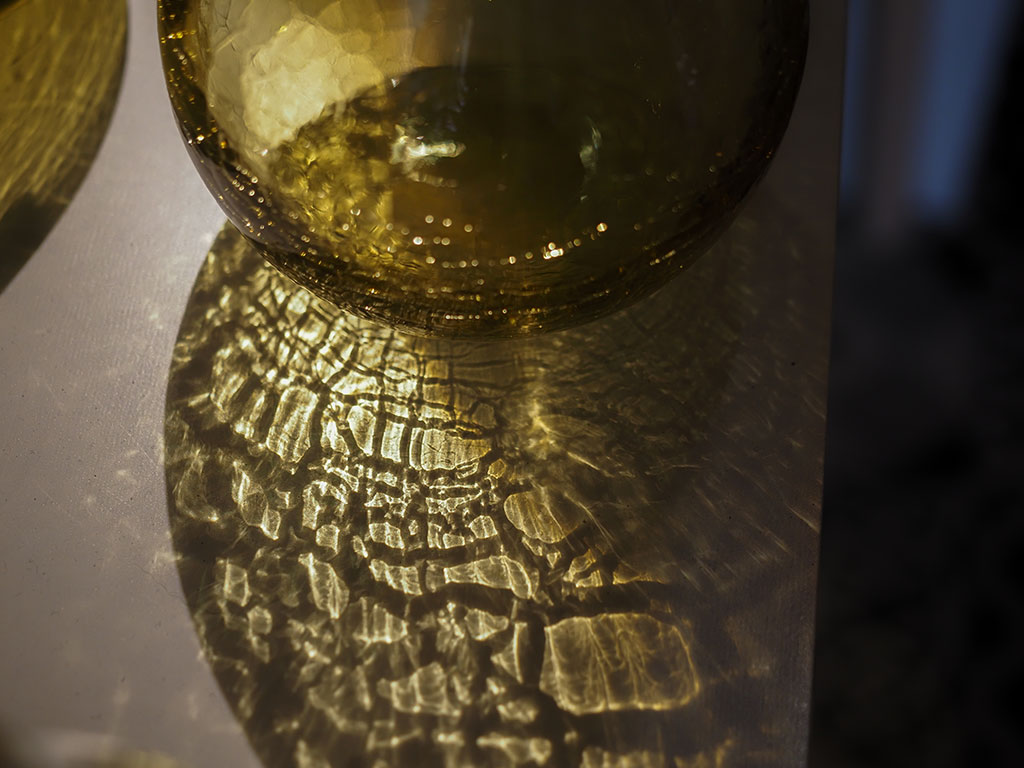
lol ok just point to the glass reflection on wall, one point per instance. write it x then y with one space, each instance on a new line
60 70
400 550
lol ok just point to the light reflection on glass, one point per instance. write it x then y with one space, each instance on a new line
585 150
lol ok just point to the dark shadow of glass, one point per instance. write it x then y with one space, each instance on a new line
410 551
60 72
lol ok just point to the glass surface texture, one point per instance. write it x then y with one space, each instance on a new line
472 167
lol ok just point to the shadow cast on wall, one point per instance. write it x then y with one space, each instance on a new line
409 551
60 72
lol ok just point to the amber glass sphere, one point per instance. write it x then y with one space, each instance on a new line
482 167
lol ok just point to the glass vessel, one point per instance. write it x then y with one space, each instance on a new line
482 167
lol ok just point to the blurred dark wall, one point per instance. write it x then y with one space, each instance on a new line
920 629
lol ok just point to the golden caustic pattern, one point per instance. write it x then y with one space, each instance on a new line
482 167
60 68
406 551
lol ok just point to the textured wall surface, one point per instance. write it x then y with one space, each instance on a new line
680 445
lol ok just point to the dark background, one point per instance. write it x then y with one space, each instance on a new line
920 645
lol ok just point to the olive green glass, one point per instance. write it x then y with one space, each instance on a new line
482 167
